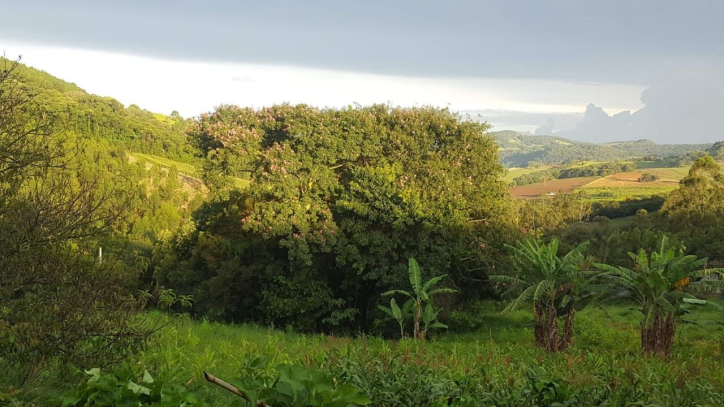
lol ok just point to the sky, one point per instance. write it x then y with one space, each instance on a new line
534 65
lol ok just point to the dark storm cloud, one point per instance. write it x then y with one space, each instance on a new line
681 108
614 41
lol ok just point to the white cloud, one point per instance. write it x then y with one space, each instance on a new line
194 87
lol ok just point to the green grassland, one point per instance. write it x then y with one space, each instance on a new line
498 362
184 168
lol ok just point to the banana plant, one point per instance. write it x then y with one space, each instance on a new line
401 315
660 283
556 285
429 320
421 295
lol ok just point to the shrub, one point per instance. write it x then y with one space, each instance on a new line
648 177
125 388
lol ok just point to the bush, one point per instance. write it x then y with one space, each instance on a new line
126 388
648 177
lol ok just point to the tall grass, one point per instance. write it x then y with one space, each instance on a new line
496 364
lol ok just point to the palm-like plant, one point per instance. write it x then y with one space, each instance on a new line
556 286
420 298
658 283
401 315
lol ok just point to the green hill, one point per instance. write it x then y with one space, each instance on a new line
105 119
520 150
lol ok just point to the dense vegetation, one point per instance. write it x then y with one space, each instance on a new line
79 221
338 200
124 277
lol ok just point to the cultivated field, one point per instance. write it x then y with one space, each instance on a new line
613 187
550 187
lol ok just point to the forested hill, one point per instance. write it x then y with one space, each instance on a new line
105 119
518 150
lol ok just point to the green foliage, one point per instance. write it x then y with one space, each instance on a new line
544 216
556 286
573 171
295 386
400 315
658 284
419 307
338 197
648 177
57 203
717 150
694 211
627 207
518 150
496 367
104 118
125 388
284 299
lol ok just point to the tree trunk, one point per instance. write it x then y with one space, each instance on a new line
567 338
418 313
546 328
657 338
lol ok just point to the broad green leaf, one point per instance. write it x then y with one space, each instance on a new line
415 274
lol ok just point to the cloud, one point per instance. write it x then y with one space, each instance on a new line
243 79
613 41
526 121
686 107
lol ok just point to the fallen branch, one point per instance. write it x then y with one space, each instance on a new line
215 380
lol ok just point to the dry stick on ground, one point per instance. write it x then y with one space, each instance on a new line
215 380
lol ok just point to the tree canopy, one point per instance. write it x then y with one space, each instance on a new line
340 199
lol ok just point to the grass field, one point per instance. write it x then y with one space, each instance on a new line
497 362
184 168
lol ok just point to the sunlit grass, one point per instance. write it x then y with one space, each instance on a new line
184 168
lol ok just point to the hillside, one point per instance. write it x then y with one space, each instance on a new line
104 119
519 150
641 148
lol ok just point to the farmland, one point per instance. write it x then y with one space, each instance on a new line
612 187
553 186
616 186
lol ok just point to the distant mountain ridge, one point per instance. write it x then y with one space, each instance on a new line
519 150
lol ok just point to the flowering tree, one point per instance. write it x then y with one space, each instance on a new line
344 197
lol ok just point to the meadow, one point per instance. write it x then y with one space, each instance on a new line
184 168
494 364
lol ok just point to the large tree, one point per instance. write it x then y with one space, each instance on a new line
695 211
56 300
341 198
